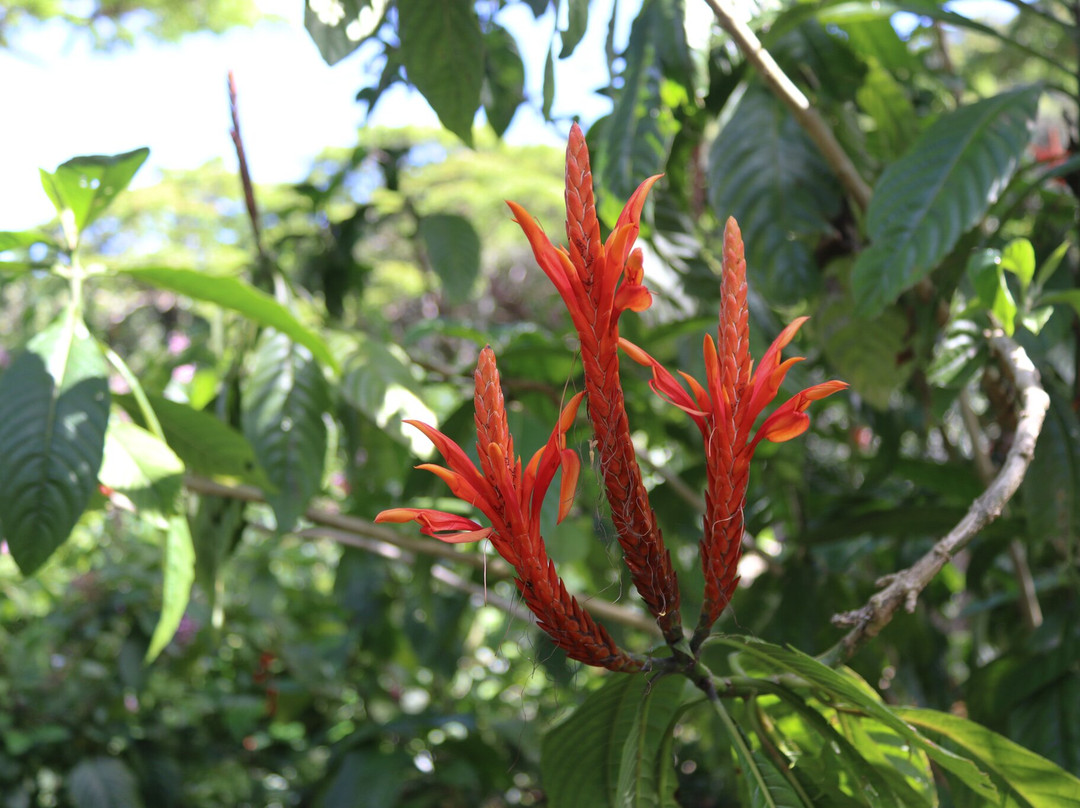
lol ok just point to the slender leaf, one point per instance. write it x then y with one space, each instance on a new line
443 51
941 188
1033 780
179 575
764 171
283 398
577 20
103 782
235 295
848 688
453 249
549 85
54 407
86 185
504 78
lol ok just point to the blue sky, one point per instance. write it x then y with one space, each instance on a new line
61 99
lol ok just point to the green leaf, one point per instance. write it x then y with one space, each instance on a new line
764 171
770 789
1051 484
54 407
581 758
142 467
1051 264
179 574
577 20
331 30
940 189
1033 780
238 296
453 249
203 442
846 687
884 99
1018 257
443 51
1070 297
21 239
549 85
865 353
283 399
103 782
504 78
646 760
82 188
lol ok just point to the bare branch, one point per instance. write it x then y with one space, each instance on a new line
366 535
903 588
808 117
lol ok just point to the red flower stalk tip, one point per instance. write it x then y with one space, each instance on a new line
598 281
511 497
725 409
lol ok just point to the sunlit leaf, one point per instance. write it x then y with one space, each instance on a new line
86 185
179 574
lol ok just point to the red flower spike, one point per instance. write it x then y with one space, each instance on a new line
598 281
725 409
511 498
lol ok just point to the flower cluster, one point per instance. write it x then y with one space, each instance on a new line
598 280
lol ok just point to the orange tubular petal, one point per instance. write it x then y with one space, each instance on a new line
783 425
632 297
458 485
635 353
571 469
447 527
397 515
631 212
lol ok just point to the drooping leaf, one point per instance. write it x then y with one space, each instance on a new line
577 20
1050 487
207 445
937 191
549 85
644 780
179 575
453 248
1032 780
581 758
86 185
238 296
283 400
54 407
884 99
103 782
504 78
764 171
770 789
1018 257
443 51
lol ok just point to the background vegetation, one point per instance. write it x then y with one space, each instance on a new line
233 408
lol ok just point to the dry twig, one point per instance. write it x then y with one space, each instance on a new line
903 588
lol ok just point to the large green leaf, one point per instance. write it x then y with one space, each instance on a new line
54 407
238 296
885 100
765 171
846 687
1050 487
645 768
453 249
179 574
284 397
1034 782
581 759
82 188
207 445
141 466
103 782
443 51
939 189
504 78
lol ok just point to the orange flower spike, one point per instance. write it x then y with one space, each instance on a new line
598 282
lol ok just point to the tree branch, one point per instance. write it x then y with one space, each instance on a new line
368 536
807 116
903 588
